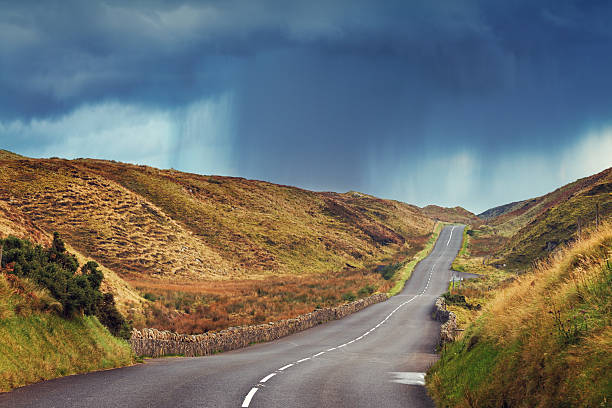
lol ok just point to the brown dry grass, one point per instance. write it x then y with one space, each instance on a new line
167 232
452 215
552 285
203 306
545 340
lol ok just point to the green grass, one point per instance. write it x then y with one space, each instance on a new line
544 340
406 272
37 344
44 346
464 251
458 373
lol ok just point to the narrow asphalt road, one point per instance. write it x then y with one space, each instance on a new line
376 357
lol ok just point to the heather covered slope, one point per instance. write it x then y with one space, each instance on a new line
454 214
532 228
144 221
209 252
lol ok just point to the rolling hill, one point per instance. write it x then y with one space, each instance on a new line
210 251
530 229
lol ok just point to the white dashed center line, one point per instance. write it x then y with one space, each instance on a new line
450 236
286 367
249 396
267 377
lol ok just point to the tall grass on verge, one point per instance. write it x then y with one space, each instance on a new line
544 341
37 344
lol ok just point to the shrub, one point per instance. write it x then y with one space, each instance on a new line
57 271
349 296
149 296
366 290
110 317
387 271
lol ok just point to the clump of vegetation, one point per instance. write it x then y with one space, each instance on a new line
348 296
57 271
544 340
37 343
459 300
366 290
388 271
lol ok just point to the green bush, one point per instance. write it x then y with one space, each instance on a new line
387 271
57 270
366 290
349 296
110 317
149 296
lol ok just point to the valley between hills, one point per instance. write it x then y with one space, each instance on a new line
194 253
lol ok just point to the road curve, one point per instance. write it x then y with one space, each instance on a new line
376 357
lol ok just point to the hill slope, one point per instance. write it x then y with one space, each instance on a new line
195 245
545 340
501 210
534 227
454 214
143 221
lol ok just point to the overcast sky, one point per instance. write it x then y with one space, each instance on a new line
471 103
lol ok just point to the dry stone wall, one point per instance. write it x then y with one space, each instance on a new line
448 330
156 343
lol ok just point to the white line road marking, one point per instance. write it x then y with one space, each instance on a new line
401 377
267 377
249 397
450 236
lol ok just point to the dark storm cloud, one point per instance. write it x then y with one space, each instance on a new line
56 55
325 94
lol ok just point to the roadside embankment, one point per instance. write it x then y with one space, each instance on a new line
545 340
38 345
448 329
156 343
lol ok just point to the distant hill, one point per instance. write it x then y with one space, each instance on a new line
455 214
190 242
537 226
502 209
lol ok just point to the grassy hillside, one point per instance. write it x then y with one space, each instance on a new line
531 229
544 340
501 210
208 251
36 343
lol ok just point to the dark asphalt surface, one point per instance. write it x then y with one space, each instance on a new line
381 368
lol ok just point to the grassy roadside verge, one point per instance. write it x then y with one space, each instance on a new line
467 298
43 346
542 340
37 344
406 272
